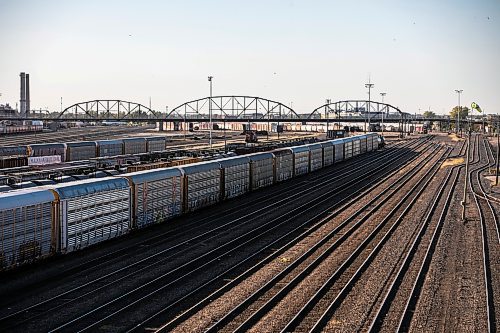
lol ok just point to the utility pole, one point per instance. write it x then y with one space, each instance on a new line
458 91
210 110
464 201
326 115
383 95
484 115
498 147
369 85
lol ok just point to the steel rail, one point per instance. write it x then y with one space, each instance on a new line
489 298
199 262
257 213
376 324
412 300
187 229
322 321
316 262
241 277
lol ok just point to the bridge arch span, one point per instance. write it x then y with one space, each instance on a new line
232 107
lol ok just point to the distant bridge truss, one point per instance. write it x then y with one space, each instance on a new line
232 107
108 109
355 107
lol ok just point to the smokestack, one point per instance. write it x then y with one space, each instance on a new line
27 94
22 106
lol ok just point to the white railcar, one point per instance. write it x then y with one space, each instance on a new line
283 159
328 153
25 226
338 150
261 170
91 211
356 145
156 195
363 139
236 176
315 156
300 160
348 147
202 185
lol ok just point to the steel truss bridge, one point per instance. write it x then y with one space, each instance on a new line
107 109
230 109
233 107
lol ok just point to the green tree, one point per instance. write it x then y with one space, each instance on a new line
429 114
464 112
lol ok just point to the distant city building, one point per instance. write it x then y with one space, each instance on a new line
6 110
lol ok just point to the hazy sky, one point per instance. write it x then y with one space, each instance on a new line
303 52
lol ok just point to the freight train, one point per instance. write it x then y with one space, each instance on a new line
81 150
57 219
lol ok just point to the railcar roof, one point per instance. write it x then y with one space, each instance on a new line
155 138
25 197
153 175
300 149
326 144
42 145
314 146
260 156
109 142
231 161
199 167
283 151
81 144
134 139
90 186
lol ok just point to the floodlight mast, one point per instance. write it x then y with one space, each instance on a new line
369 85
210 110
458 91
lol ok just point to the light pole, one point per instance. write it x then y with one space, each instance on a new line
326 115
498 148
458 91
464 201
383 95
369 85
210 110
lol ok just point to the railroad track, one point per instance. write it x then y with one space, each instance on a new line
125 305
242 318
97 133
188 227
490 239
240 278
451 292
13 319
340 293
397 294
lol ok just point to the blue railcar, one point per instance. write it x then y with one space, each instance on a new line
81 150
109 148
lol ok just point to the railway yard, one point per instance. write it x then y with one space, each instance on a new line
375 242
